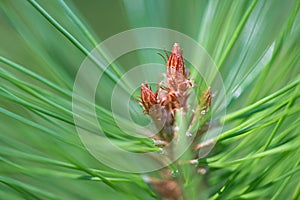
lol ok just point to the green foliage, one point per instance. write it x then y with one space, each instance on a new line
255 45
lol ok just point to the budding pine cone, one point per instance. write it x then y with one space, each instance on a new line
170 96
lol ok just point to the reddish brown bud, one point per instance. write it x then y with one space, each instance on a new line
148 97
175 62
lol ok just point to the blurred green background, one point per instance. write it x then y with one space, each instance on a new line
255 45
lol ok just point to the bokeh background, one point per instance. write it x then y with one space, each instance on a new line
255 45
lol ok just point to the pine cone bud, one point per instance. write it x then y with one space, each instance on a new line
175 62
148 97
